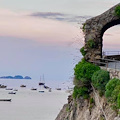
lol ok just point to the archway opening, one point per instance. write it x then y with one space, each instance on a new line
111 39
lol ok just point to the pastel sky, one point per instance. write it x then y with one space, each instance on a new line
44 37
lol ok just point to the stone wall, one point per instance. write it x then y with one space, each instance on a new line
114 73
94 29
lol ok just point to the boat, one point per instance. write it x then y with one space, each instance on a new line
33 88
41 83
3 86
12 92
23 86
9 100
9 88
41 91
58 88
46 87
15 89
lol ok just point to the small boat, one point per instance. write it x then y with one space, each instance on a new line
46 87
41 83
23 86
15 90
33 88
9 100
3 86
9 88
12 92
58 88
41 91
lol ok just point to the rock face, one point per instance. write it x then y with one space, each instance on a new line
94 29
82 110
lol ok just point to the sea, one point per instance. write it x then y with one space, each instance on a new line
27 104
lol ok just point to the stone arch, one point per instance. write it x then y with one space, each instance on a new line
94 29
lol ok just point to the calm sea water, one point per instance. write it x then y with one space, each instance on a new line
30 105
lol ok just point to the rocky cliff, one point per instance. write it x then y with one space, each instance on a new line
81 109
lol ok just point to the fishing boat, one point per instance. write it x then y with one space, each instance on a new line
58 88
8 100
12 92
46 87
9 88
23 86
3 86
33 88
41 91
15 89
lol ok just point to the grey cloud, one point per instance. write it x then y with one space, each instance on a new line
60 16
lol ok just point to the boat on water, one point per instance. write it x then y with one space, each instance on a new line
41 91
9 89
15 90
3 86
58 88
46 87
42 83
23 86
33 88
12 92
7 100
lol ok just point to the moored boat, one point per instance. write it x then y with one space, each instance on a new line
9 88
23 86
12 92
33 88
3 86
9 100
41 91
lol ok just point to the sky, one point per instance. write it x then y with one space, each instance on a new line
44 37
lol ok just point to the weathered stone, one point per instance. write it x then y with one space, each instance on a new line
95 28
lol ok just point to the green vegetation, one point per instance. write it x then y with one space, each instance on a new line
113 93
117 11
67 108
91 43
83 73
99 79
83 28
83 51
80 91
110 87
118 101
85 70
91 101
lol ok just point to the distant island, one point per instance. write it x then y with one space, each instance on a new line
15 77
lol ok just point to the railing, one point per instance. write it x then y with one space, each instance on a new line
105 53
105 62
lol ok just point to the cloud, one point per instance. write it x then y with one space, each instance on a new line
60 16
42 30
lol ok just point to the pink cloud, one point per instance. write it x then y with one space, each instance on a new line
42 30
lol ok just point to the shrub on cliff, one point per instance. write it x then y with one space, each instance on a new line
110 87
83 51
85 70
99 79
118 101
80 92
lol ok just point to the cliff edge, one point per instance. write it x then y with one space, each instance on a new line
81 109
